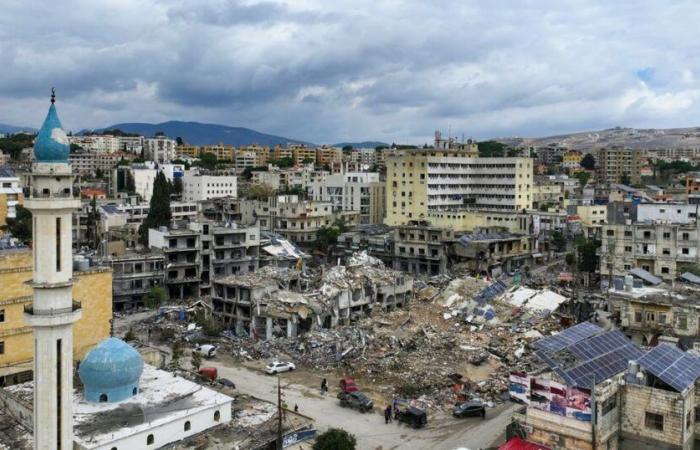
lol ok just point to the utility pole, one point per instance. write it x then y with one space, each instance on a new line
279 414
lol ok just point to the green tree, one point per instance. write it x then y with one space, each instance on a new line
570 259
492 149
335 439
582 178
307 160
196 360
179 141
92 219
13 145
347 148
588 162
21 225
327 238
587 257
207 161
287 161
159 214
154 298
75 147
130 183
558 240
177 186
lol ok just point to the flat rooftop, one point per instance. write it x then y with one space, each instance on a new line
163 398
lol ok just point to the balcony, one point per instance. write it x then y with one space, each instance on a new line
29 309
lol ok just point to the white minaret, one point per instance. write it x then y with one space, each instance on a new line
53 311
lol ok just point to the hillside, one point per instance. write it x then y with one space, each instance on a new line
641 139
196 133
4 128
363 144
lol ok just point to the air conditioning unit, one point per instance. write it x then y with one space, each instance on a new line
555 438
528 429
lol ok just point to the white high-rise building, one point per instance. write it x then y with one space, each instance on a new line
53 311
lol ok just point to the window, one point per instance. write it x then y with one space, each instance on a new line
188 426
2 347
150 439
58 244
682 322
667 235
686 236
628 249
654 421
628 233
666 251
638 316
2 315
662 318
134 391
685 250
665 270
611 232
647 235
217 416
103 398
688 420
609 405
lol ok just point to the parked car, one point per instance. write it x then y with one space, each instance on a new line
469 409
226 382
356 400
412 416
279 366
206 350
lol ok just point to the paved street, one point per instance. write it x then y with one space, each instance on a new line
441 433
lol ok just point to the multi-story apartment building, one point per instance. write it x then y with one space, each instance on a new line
245 158
181 247
571 160
328 156
159 149
674 154
280 152
353 191
197 187
619 165
303 154
364 156
226 249
134 275
662 249
187 151
262 154
424 181
421 248
294 219
550 155
88 162
221 151
97 143
92 287
10 194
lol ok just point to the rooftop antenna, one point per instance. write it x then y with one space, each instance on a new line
53 95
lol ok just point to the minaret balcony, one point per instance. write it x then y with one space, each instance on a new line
53 316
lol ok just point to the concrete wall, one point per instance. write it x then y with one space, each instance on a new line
92 288
674 407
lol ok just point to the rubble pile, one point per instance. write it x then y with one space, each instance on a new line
448 343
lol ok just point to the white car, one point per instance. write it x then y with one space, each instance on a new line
279 366
206 350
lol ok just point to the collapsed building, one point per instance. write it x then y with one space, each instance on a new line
280 301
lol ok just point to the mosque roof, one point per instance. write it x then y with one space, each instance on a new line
51 143
109 367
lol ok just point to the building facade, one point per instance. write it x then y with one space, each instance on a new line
619 165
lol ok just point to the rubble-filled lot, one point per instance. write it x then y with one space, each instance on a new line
448 344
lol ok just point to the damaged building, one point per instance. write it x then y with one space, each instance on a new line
278 302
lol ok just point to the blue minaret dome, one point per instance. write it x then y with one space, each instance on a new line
110 372
51 143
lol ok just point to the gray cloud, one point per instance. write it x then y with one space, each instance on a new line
326 71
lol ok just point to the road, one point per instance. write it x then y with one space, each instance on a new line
442 432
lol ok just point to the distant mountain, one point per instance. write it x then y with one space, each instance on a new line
13 129
641 139
196 133
365 144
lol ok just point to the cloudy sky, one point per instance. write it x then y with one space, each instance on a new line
335 70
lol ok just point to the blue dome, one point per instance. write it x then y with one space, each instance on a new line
51 143
110 371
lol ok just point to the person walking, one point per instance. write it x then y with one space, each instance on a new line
387 413
324 387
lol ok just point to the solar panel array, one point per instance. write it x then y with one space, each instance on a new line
568 337
608 356
673 366
584 355
490 292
